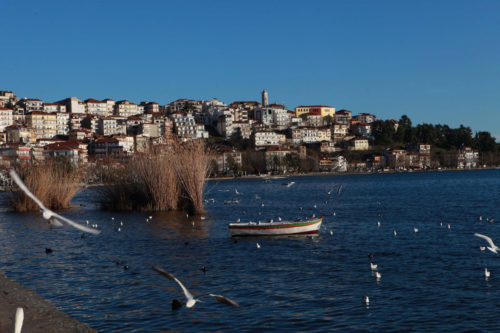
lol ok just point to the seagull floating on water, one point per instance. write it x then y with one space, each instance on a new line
395 233
258 245
190 300
415 230
47 213
373 266
487 273
482 248
378 276
366 300
493 248
331 232
378 224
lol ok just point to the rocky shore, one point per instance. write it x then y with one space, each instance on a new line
39 314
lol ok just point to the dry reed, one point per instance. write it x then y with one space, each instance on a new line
53 182
164 178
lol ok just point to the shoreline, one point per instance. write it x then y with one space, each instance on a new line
40 315
347 173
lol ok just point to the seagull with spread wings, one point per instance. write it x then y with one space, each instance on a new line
493 248
47 214
190 300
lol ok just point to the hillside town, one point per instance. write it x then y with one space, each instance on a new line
247 137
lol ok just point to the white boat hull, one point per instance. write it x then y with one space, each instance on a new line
276 228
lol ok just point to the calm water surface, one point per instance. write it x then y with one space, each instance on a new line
431 281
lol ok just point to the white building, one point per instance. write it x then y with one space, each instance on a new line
266 138
126 108
63 123
54 107
98 108
6 118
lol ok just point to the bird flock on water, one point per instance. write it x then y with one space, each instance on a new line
56 220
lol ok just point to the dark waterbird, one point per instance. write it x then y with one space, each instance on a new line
190 300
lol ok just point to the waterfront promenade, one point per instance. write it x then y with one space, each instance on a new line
39 314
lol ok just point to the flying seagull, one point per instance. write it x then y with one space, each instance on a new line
47 213
190 300
493 248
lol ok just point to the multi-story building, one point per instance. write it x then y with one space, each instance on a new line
107 126
359 144
98 108
242 129
150 130
54 107
343 117
265 138
228 159
74 105
151 107
186 127
110 105
31 104
44 124
6 118
63 123
75 121
19 133
340 131
322 110
362 129
314 120
275 158
7 98
91 122
366 118
126 108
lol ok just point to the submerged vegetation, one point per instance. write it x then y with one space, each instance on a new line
164 178
53 181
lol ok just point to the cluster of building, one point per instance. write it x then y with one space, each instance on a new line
91 129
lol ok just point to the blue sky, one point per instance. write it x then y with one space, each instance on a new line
435 61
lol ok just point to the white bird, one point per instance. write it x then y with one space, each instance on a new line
258 245
18 320
378 224
121 223
449 227
279 219
395 233
482 248
47 214
487 273
480 218
119 229
315 206
331 232
190 300
150 217
441 224
112 218
238 220
236 191
373 266
366 300
378 276
493 248
415 230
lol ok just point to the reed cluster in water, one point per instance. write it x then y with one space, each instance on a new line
164 178
54 182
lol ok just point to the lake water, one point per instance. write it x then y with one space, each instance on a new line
431 281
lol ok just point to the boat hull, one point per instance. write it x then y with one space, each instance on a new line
276 229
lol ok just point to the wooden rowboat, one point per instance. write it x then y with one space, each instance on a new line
276 228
